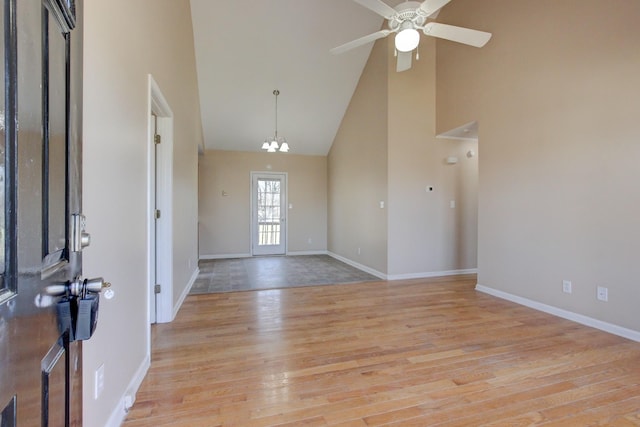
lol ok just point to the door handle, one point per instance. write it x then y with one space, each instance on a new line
78 287
77 305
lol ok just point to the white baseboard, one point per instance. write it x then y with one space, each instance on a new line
128 398
297 253
185 292
231 256
119 413
384 276
565 314
224 256
428 274
358 266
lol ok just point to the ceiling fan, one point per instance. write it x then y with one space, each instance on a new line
405 20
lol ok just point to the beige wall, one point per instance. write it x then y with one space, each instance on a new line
124 42
357 169
427 235
556 95
225 221
386 150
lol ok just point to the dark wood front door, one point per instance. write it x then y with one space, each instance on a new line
40 164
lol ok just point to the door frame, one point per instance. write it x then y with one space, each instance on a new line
160 240
284 213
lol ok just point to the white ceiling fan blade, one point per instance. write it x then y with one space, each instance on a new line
457 34
359 42
404 61
432 6
378 6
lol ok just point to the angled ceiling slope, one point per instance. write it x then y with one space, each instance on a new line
246 49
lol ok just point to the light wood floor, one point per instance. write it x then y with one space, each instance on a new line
408 353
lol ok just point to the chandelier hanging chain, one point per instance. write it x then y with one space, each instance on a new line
276 93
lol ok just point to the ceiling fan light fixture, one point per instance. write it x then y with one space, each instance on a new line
284 147
265 144
407 40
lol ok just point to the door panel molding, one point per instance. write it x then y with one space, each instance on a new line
8 281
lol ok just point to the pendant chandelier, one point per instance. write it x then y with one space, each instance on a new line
276 143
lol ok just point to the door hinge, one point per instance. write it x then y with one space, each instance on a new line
156 289
157 213
157 139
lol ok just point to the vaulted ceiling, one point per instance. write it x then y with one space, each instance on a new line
246 49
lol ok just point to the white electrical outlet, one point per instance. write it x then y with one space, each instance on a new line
603 293
566 286
98 382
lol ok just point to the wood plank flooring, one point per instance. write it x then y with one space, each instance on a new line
430 352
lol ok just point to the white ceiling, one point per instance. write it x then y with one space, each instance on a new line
246 49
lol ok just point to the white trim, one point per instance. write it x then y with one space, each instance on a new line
224 256
186 291
565 314
466 132
456 138
151 201
231 256
165 224
245 255
158 104
119 413
402 276
299 253
429 274
358 266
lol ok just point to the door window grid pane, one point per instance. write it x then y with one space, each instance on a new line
268 212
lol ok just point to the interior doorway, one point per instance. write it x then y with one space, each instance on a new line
160 202
268 213
459 148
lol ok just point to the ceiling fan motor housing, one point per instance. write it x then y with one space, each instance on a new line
409 15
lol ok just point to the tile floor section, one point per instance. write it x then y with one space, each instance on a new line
245 274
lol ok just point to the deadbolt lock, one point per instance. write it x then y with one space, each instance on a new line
78 239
